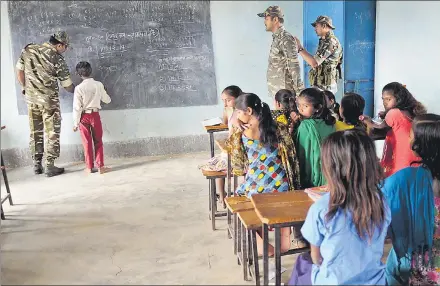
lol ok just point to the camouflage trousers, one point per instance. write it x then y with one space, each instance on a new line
43 120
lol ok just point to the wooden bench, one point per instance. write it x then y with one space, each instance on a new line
5 179
212 176
246 224
250 223
234 205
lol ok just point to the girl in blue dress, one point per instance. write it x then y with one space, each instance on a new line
346 227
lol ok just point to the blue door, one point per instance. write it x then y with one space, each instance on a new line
313 9
355 23
360 29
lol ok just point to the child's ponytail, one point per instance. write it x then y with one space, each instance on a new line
268 131
292 105
327 116
287 99
419 109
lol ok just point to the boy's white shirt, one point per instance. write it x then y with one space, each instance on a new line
88 95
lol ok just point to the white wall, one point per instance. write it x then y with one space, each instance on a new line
407 49
241 47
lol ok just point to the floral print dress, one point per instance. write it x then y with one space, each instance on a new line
428 275
265 172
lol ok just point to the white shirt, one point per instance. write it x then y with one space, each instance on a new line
88 95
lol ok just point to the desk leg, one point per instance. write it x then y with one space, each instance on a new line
209 199
265 254
213 203
235 233
239 252
211 143
229 220
228 194
5 178
244 252
255 257
277 256
2 213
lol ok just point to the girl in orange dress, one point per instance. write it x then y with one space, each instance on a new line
400 109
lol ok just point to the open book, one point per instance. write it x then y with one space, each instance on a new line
316 193
212 121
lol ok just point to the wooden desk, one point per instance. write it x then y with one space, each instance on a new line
280 210
211 130
238 204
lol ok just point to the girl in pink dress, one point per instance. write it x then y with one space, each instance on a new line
219 162
400 109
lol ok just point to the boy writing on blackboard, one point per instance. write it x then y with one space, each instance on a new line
86 105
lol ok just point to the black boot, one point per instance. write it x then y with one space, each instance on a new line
38 168
52 170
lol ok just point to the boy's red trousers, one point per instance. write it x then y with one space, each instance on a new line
91 134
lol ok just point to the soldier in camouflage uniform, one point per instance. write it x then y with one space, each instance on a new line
326 63
38 70
283 71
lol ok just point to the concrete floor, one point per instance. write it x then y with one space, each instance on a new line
146 222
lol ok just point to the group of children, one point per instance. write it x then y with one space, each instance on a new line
309 141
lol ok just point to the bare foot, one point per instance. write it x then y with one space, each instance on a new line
88 171
103 170
270 251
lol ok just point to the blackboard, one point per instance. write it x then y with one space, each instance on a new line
148 54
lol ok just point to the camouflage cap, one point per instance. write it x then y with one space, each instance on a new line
274 11
62 37
324 20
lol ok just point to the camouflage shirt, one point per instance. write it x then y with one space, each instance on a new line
328 56
283 71
43 66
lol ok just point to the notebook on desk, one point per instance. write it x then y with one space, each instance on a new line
316 193
212 122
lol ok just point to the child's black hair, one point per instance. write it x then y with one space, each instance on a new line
287 99
404 99
233 91
267 126
335 106
352 107
426 129
354 175
84 69
316 97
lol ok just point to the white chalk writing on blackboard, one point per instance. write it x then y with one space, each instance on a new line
147 53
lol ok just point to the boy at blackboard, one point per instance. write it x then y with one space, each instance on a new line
86 105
